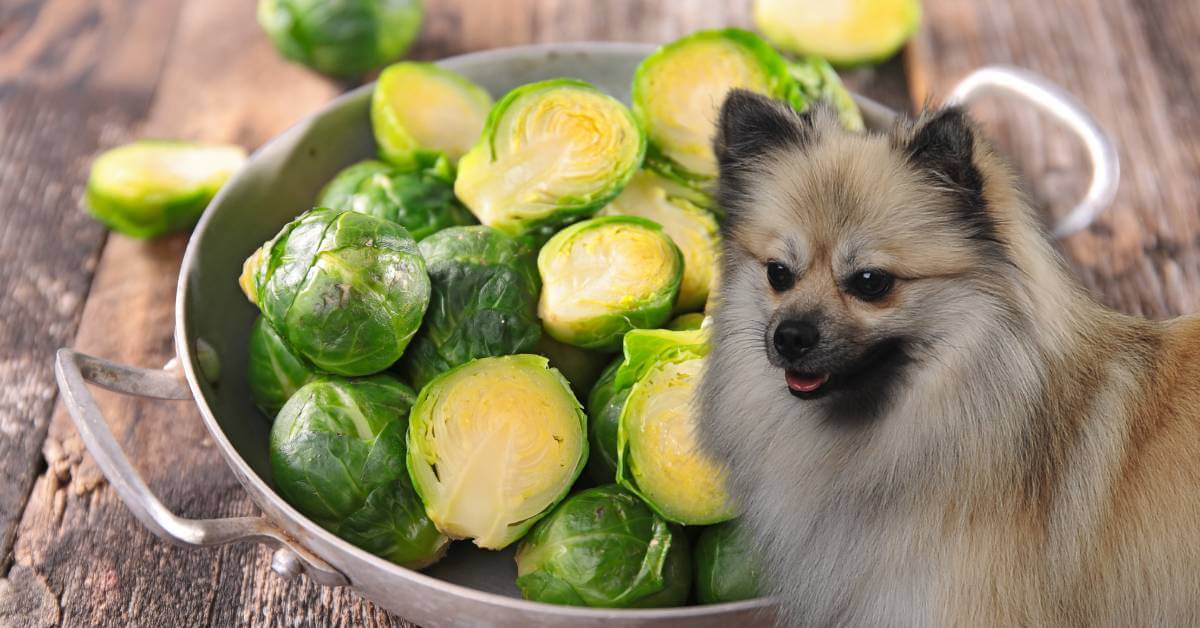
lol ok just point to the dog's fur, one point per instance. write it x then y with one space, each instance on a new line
1005 452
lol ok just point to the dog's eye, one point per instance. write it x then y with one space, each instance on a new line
869 285
780 277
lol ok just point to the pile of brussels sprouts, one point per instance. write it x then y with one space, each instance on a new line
511 294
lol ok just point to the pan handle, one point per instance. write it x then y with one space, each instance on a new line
1055 101
74 370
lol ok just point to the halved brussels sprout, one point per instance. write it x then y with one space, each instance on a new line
484 301
817 81
678 91
345 290
494 444
274 371
152 187
338 454
846 33
686 322
418 109
692 229
421 200
604 406
658 454
347 38
581 367
550 152
604 276
727 568
604 547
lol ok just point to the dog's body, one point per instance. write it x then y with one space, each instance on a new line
982 443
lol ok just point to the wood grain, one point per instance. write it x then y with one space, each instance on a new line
1135 65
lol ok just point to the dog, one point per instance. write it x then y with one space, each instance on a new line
926 421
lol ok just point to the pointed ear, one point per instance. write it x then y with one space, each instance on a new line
752 125
944 145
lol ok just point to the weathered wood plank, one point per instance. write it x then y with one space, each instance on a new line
1134 65
73 76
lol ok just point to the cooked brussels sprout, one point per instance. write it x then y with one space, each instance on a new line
678 91
275 372
692 229
550 152
604 547
342 38
484 301
818 81
686 322
604 276
418 109
658 456
494 444
727 569
581 367
345 290
604 406
846 33
152 187
421 200
338 455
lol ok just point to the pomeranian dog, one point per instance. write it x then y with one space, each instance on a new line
927 422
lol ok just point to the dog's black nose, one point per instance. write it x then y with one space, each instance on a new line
794 338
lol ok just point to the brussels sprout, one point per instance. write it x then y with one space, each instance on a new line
152 187
865 31
342 38
604 407
493 445
604 547
421 201
818 81
678 90
686 322
727 568
345 290
604 276
692 229
581 367
338 455
484 301
550 152
274 371
658 456
418 109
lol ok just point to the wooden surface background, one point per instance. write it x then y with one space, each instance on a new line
77 77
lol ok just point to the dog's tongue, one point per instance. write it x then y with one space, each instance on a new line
805 383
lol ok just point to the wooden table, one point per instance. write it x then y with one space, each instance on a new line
77 77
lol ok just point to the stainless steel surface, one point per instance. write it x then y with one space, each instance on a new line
1036 90
469 586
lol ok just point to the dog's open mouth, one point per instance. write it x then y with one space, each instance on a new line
806 385
877 365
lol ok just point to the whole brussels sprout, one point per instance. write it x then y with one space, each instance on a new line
275 373
604 407
345 290
658 456
686 322
484 301
678 90
605 276
818 81
338 455
152 187
341 38
727 568
420 109
604 547
550 153
581 367
864 31
493 445
421 201
692 229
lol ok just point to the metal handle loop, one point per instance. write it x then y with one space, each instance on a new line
74 370
1055 101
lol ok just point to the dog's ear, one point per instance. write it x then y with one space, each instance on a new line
751 125
943 145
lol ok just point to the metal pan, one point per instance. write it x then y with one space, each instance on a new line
213 319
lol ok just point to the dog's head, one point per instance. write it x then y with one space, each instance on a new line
852 256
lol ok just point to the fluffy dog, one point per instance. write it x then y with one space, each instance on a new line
926 420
